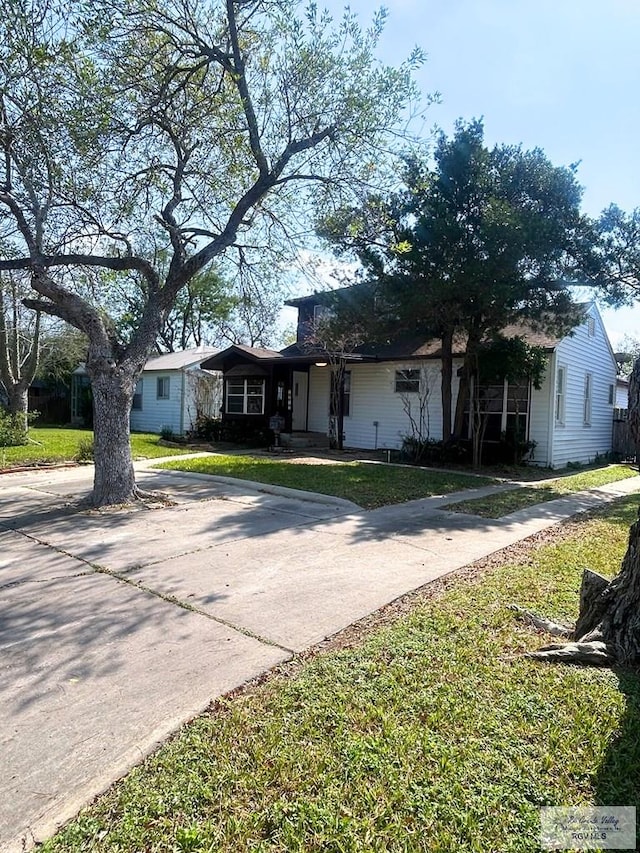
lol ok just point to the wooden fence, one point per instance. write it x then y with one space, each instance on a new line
623 444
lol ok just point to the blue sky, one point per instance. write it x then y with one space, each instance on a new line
562 75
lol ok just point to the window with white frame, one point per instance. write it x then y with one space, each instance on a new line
612 394
504 410
407 381
245 396
561 385
588 393
591 327
137 396
162 388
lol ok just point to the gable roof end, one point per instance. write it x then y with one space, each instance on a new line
180 360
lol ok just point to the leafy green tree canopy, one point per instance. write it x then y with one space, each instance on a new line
475 240
616 259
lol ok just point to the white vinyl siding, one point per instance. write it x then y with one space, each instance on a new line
178 411
158 412
374 400
542 403
584 353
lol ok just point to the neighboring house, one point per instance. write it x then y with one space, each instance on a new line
50 401
622 393
172 391
569 418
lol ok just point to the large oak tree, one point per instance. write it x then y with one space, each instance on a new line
132 130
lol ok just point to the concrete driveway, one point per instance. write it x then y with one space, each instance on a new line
116 627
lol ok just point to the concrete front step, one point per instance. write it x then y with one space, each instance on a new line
304 439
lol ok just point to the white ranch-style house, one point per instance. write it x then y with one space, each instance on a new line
569 419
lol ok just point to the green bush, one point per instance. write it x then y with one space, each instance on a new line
85 450
12 428
241 432
419 452
207 429
516 447
246 434
510 450
432 452
166 432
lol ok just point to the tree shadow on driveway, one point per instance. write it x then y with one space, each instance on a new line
61 632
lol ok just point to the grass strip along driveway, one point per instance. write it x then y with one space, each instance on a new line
365 484
427 731
504 503
58 444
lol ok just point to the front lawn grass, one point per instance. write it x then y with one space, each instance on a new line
430 734
60 444
504 503
363 483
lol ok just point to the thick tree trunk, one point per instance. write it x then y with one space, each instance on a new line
461 401
19 403
608 627
447 378
114 479
469 368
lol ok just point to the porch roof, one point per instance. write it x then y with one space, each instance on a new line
255 354
399 350
293 354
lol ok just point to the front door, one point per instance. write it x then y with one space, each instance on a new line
300 382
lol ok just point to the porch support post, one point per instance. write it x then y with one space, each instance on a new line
341 372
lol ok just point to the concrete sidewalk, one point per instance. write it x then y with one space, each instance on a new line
118 626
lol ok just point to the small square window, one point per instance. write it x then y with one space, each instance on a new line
162 388
407 381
